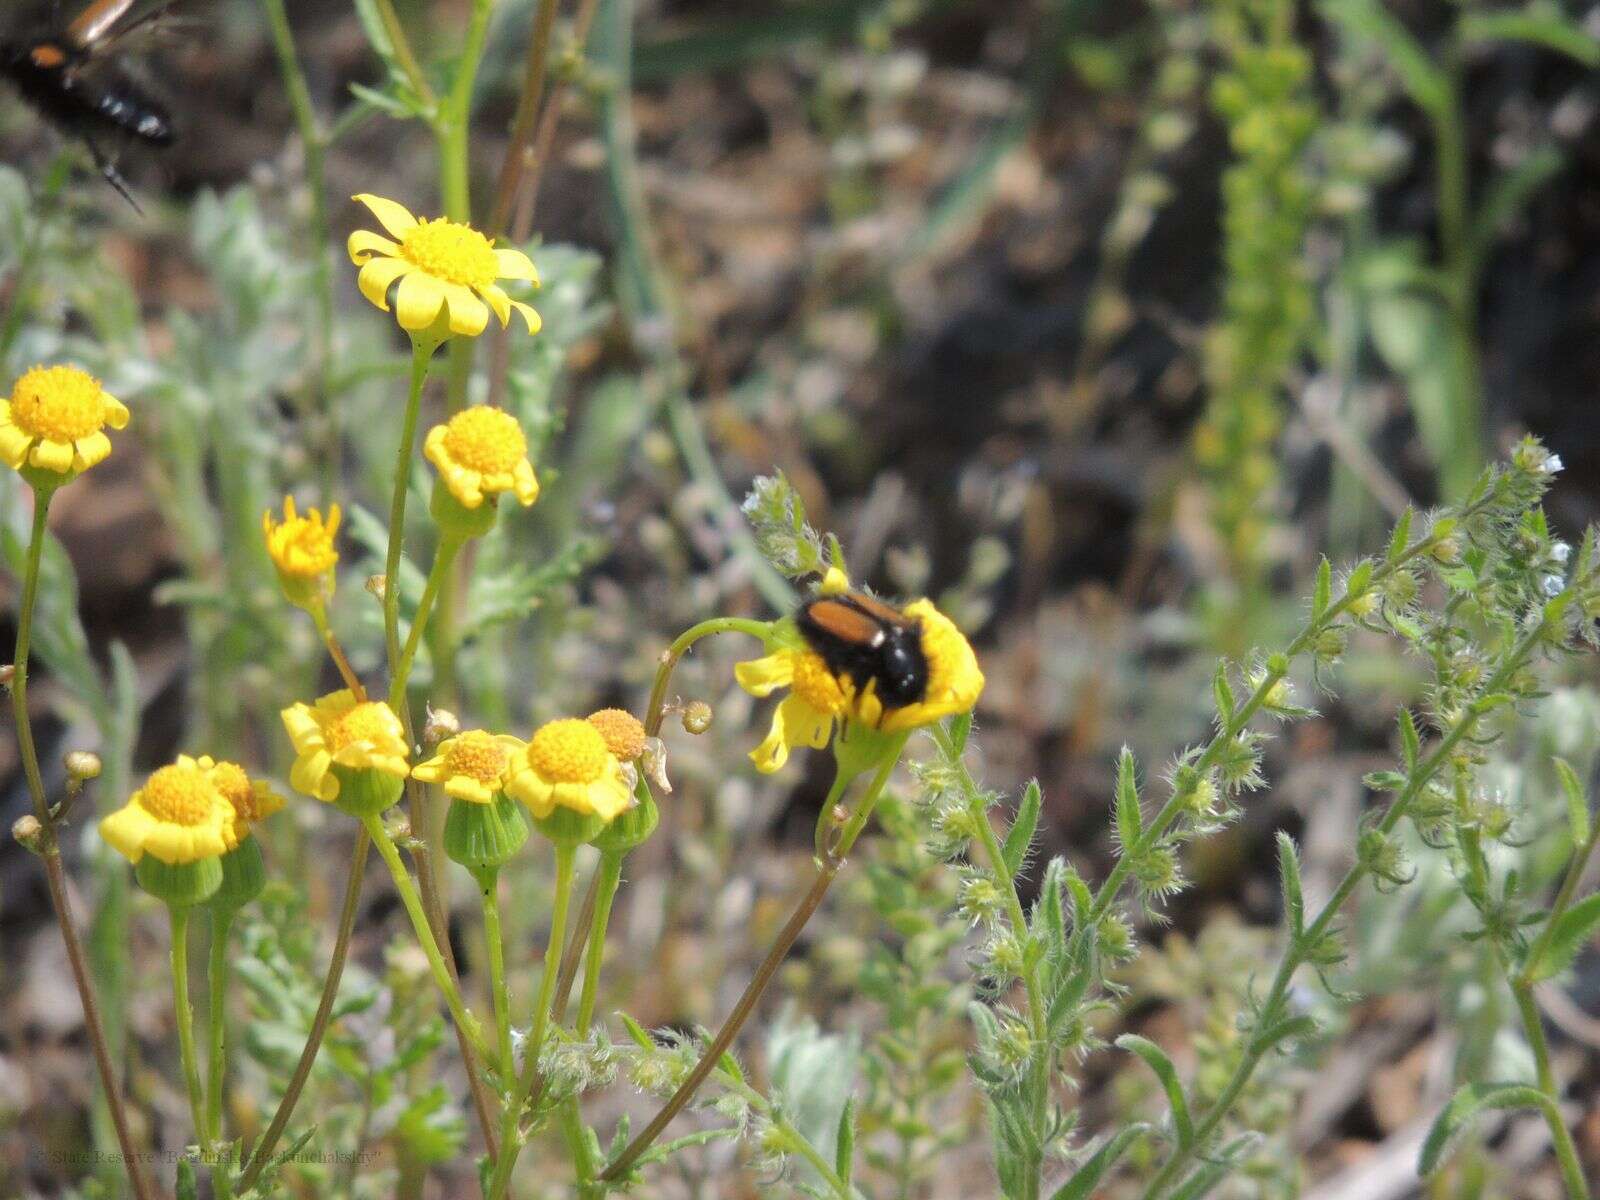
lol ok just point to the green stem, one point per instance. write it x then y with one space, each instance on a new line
1560 1137
510 1131
465 1021
655 710
1038 1080
827 868
320 1021
443 557
1313 935
216 1026
421 352
608 875
184 1016
319 618
489 884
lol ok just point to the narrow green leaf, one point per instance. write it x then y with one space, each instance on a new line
187 1187
1463 1108
638 1033
1156 1059
1323 595
1218 1168
1285 1030
1571 932
1294 904
1400 539
1223 693
1578 820
960 727
1020 836
1426 84
1360 578
1130 820
1086 1177
844 1156
1410 739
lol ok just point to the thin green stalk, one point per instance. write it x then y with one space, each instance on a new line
50 851
404 55
465 1021
1560 1136
827 868
421 353
183 1014
216 1026
489 885
319 1022
655 710
443 557
608 875
510 1128
1314 933
1038 1080
319 618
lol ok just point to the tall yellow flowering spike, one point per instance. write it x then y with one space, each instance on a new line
53 426
178 817
447 272
818 699
482 452
472 766
302 552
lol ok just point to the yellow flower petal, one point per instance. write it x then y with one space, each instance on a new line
469 316
377 276
499 302
114 411
534 321
125 829
363 244
13 445
418 301
95 448
514 264
392 216
52 456
524 483
763 676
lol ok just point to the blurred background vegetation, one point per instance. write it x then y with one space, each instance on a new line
1095 321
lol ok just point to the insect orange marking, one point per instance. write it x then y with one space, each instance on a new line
47 57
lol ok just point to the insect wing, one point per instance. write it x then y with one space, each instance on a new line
93 24
843 621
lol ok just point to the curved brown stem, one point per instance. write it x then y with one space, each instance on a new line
319 1023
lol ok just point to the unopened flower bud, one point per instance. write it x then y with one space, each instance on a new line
28 832
83 765
697 716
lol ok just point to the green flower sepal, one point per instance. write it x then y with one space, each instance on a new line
483 837
179 885
631 829
365 791
244 876
455 520
569 828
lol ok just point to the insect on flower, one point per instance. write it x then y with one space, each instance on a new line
71 80
869 642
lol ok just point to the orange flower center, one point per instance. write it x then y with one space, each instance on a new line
179 795
485 440
476 755
623 733
367 722
568 751
452 252
60 404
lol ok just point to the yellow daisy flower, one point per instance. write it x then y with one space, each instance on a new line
482 452
339 731
818 699
55 421
566 764
443 267
178 816
302 551
253 800
472 765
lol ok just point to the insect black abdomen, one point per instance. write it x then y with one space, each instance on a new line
867 642
127 108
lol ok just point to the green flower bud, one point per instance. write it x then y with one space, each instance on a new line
179 884
483 837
